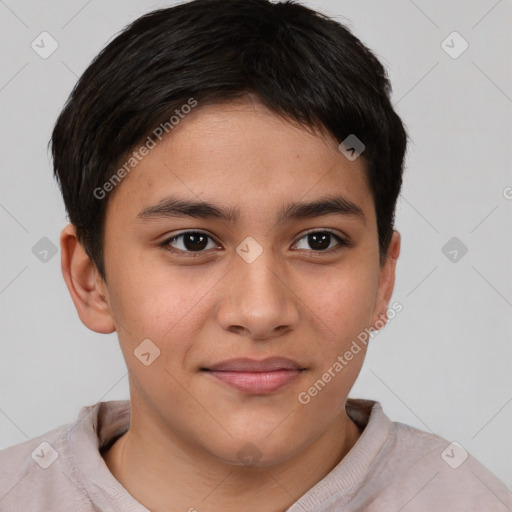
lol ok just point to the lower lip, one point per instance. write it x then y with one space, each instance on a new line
257 382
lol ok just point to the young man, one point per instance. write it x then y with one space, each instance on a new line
230 169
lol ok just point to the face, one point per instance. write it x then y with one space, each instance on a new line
255 274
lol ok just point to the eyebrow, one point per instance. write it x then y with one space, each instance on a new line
176 207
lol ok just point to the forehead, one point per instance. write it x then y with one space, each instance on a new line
245 156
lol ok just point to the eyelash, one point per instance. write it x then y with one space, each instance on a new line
195 254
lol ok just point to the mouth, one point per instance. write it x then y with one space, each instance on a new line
256 377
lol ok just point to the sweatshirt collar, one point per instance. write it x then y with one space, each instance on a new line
100 424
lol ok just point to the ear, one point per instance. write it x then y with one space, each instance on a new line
386 283
88 291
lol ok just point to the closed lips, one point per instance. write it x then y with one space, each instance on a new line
256 377
251 365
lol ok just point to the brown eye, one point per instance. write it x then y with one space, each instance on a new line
189 241
321 241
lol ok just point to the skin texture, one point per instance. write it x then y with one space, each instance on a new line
182 450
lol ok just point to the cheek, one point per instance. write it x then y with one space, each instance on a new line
342 301
168 306
164 310
153 304
341 308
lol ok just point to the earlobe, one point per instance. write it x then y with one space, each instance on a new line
386 283
87 291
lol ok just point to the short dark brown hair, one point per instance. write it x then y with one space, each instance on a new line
301 64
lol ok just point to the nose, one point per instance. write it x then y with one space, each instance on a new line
258 302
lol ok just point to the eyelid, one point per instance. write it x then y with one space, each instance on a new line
187 231
322 230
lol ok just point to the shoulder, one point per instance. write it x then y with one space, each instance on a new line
425 472
38 473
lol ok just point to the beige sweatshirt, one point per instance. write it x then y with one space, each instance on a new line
392 468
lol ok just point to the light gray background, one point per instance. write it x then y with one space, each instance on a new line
442 365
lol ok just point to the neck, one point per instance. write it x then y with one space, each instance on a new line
165 474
